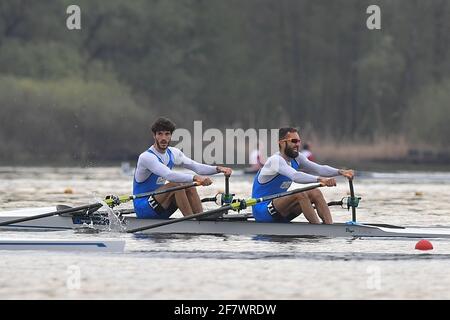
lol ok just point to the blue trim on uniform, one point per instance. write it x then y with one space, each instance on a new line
141 205
278 184
274 177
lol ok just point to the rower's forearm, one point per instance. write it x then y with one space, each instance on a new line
321 170
302 177
202 169
328 171
315 168
179 177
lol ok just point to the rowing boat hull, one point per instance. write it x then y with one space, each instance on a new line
220 227
63 245
293 229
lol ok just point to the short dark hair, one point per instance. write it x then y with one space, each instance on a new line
282 133
163 124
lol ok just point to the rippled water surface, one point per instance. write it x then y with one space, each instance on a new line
231 267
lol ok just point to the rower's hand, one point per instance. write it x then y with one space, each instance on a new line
327 182
349 174
225 170
202 181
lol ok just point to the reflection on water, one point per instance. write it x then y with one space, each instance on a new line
226 266
86 230
289 239
289 255
163 237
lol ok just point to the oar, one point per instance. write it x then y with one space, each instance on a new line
352 200
93 207
111 201
227 198
237 205
116 200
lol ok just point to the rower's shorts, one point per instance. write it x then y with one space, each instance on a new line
266 212
149 208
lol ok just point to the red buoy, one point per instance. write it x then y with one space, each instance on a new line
424 245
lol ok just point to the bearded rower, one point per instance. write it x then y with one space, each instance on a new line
154 167
287 166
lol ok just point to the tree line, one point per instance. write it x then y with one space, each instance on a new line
91 94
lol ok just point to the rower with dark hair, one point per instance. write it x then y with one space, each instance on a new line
154 167
287 166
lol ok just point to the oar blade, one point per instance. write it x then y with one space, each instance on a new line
89 207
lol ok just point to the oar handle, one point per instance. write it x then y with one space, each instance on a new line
335 203
112 201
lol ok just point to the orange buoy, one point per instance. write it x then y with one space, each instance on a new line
68 191
424 245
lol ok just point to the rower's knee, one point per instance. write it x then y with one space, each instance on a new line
301 196
180 192
171 185
191 190
315 195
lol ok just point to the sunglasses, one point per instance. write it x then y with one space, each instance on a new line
293 140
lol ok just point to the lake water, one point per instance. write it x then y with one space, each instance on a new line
231 267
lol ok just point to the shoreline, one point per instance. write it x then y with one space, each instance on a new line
379 165
389 154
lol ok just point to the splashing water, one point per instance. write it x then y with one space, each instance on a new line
115 221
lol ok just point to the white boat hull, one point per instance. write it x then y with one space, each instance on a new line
219 227
293 229
63 245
